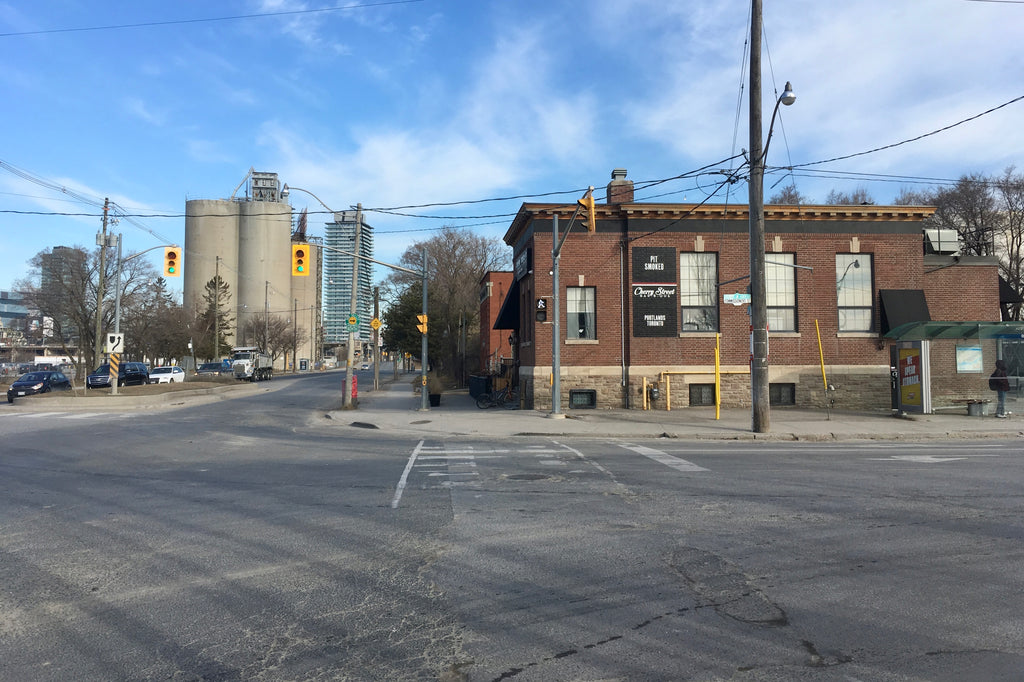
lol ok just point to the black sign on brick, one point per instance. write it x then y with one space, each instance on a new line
655 287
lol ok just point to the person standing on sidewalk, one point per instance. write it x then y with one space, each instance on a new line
1000 384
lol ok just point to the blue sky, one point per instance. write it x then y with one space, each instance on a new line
396 104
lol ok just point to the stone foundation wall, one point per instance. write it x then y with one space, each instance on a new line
853 388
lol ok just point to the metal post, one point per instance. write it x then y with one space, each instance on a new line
295 335
556 326
346 400
425 401
117 303
376 340
759 394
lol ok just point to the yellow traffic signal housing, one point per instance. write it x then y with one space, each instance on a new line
422 326
587 202
300 260
172 261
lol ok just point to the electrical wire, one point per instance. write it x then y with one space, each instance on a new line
913 139
236 17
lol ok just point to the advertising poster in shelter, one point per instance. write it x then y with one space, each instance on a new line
655 289
911 389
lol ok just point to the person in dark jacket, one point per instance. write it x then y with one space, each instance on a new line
1000 384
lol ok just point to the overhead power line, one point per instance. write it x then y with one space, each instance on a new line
234 17
913 139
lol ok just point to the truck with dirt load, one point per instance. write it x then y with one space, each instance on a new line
250 363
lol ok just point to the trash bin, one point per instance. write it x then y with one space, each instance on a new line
977 408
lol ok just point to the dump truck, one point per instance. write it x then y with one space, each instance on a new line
250 363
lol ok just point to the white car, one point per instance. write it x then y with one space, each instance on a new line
166 375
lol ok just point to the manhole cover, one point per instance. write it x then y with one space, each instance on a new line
526 477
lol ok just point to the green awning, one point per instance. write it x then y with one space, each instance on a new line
924 331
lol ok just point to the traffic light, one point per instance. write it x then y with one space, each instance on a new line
587 202
172 261
300 260
422 326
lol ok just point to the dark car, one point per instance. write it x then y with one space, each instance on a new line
38 382
129 374
210 368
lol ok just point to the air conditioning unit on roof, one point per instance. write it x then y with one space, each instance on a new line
941 242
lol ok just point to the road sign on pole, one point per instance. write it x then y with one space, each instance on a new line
114 344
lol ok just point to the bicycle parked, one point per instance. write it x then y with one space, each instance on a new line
507 397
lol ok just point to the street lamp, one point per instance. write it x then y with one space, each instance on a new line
759 386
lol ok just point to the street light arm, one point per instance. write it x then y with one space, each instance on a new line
152 248
374 260
787 97
287 188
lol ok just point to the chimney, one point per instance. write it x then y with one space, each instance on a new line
620 190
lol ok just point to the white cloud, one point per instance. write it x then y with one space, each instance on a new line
140 110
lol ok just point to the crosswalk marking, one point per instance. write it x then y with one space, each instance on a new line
63 415
663 458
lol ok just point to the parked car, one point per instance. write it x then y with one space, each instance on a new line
129 374
38 382
212 369
168 374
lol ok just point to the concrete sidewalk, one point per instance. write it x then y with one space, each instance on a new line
396 408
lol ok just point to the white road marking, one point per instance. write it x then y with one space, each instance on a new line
924 459
663 458
405 475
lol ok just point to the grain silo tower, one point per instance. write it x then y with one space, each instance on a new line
246 240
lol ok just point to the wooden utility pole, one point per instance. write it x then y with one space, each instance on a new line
759 394
101 240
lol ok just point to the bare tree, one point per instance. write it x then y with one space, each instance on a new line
971 209
275 334
859 197
788 195
456 261
1009 190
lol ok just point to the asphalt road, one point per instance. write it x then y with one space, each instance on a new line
255 539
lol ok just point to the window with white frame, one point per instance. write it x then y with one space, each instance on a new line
698 292
855 293
780 287
581 313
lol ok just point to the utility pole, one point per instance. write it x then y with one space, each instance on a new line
101 240
759 393
266 317
346 399
295 336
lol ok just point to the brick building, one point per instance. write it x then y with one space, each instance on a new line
495 344
646 298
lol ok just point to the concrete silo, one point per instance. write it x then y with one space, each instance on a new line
211 231
247 241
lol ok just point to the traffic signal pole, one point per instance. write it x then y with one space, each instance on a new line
424 398
346 399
